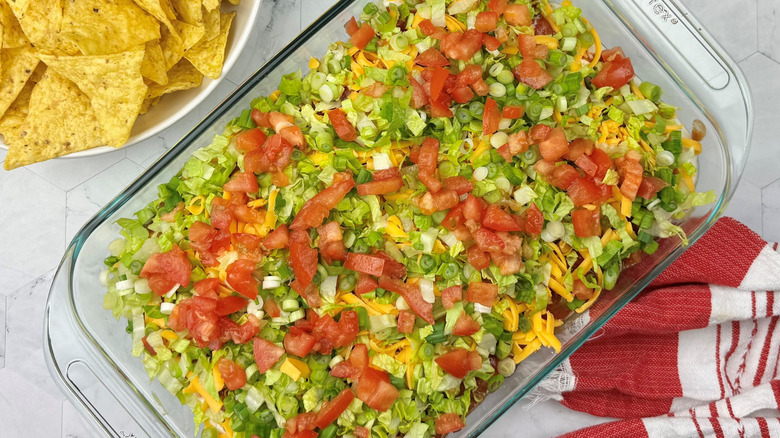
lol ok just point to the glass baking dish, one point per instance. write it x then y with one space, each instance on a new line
88 352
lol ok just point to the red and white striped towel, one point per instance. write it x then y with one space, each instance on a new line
696 354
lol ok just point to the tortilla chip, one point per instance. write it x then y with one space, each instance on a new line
189 11
12 35
18 64
60 121
182 76
16 114
172 47
235 2
41 22
190 34
209 56
159 11
153 66
210 5
148 103
101 27
211 23
113 84
18 6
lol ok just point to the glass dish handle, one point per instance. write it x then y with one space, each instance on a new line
76 366
689 52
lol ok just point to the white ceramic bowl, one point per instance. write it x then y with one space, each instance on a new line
174 106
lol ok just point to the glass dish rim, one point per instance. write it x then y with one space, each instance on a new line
732 178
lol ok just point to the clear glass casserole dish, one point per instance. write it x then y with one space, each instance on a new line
88 352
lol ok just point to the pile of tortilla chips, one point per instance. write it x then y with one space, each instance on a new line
76 74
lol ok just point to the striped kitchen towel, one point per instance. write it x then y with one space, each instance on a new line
694 355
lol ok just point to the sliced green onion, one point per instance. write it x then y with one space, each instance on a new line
568 44
569 30
370 9
399 42
495 69
497 89
463 115
290 305
506 77
476 108
650 91
495 382
296 315
586 39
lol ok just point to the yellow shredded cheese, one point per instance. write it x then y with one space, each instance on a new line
635 90
417 20
197 205
561 290
314 63
481 148
453 25
687 180
548 15
691 143
597 42
352 299
169 335
196 387
520 354
588 303
576 65
219 382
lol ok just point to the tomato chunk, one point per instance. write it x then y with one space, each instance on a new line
266 354
586 223
477 258
412 295
583 191
239 277
303 259
497 219
460 184
470 74
361 37
465 326
482 293
344 129
232 373
459 362
650 186
486 21
406 321
518 15
241 182
365 284
375 390
614 74
366 264
534 220
316 209
450 296
554 146
166 270
432 58
230 304
331 410
531 73
490 117
250 139
278 238
447 423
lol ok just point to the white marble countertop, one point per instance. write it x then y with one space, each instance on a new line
44 205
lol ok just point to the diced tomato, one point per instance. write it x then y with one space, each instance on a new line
247 246
266 354
487 240
232 373
382 187
612 54
650 186
362 432
581 291
438 78
518 15
412 295
497 219
554 146
490 42
542 26
518 143
348 328
298 342
465 326
375 390
301 424
430 203
486 21
631 177
563 175
482 293
490 117
303 259
271 308
393 268
526 44
230 304
207 287
278 238
239 334
208 242
477 258
602 161
449 41
586 223
447 423
316 209
274 156
614 74
497 6
481 88
539 132
428 29
467 46
453 218
359 356
280 120
460 184
365 284
260 118
406 321
431 58
351 26
459 362
451 295
361 37
244 213
331 410
293 135
534 220
166 270
513 111
462 94
531 73
583 191
239 277
472 208
419 98
241 182
470 74
250 140
221 213
344 129
579 147
587 165
440 110
364 263
196 315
